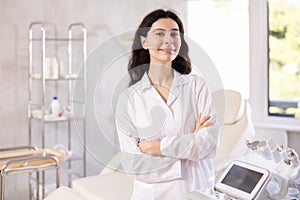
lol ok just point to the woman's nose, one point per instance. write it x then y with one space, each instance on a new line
168 39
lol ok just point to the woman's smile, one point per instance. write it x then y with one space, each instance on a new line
168 50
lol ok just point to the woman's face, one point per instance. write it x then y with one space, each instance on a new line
163 41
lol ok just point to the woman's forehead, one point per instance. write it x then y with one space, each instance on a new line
165 23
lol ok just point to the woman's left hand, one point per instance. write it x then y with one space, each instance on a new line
202 122
150 147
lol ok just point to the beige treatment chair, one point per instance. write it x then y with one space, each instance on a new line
234 113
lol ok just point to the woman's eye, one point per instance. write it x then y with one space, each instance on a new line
160 34
174 34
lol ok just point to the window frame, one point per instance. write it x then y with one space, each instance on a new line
258 16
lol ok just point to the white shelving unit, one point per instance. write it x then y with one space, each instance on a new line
70 87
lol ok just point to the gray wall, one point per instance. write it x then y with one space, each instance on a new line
103 20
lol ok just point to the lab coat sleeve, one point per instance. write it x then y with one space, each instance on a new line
145 168
202 144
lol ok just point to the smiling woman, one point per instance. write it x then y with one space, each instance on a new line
140 59
165 120
163 43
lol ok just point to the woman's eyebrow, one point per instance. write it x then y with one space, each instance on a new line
159 29
162 29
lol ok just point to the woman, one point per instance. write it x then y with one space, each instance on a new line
166 143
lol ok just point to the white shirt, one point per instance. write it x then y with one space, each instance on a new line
185 164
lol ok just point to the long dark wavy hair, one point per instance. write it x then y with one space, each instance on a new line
140 58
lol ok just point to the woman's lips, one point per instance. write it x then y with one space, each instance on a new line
167 50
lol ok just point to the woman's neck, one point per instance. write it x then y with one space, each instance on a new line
161 75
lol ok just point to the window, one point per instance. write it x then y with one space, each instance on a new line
262 92
284 59
221 28
262 34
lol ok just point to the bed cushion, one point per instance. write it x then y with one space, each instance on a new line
110 186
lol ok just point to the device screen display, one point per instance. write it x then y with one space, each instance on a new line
242 178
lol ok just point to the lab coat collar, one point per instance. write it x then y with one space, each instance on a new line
179 80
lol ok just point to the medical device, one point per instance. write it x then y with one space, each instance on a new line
243 181
284 165
240 180
274 173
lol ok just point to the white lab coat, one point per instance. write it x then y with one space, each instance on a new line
186 164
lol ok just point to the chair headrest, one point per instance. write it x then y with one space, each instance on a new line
230 105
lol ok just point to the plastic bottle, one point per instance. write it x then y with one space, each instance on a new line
55 107
48 68
55 70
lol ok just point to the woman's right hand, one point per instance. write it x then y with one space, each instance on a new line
202 123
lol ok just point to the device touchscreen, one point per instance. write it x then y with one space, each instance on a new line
242 180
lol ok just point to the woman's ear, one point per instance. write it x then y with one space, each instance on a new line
144 42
